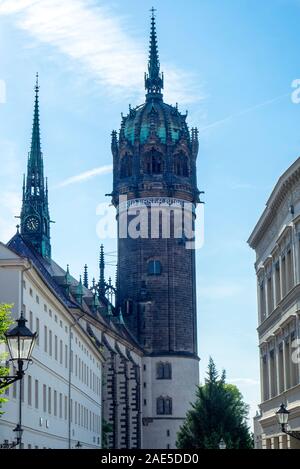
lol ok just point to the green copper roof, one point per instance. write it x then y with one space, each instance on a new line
157 117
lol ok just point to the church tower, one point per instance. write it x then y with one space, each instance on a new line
35 219
154 159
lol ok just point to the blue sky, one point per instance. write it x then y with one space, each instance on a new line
229 62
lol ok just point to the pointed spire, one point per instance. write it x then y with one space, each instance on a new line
102 268
154 80
35 157
35 218
86 277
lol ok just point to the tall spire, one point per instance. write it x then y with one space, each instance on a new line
35 156
154 80
35 219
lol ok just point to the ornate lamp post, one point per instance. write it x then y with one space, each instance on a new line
20 342
283 418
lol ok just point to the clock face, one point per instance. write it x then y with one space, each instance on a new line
32 223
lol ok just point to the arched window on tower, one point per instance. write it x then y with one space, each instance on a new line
181 165
126 166
164 405
153 162
163 370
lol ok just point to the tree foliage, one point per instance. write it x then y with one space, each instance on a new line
5 322
219 412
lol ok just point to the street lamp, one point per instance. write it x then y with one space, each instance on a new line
78 445
283 418
20 342
222 444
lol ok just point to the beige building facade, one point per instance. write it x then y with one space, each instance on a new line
276 241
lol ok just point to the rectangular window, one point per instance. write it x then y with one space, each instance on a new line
76 365
60 405
75 412
45 309
60 352
37 299
55 347
71 410
66 407
44 398
50 343
30 320
37 327
49 400
36 394
45 339
66 356
29 395
55 403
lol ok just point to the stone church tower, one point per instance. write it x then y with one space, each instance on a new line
154 158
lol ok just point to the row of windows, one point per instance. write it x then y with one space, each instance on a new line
55 403
60 352
153 163
46 309
276 286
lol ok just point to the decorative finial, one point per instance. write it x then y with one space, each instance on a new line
102 268
154 82
18 229
37 87
85 277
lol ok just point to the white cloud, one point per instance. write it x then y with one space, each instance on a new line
10 204
96 38
86 175
244 381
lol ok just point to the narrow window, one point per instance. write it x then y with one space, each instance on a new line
36 394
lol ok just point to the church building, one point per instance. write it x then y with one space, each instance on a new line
123 354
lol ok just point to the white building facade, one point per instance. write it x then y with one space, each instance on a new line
61 401
276 241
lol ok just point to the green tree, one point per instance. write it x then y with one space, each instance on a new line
5 322
219 412
106 430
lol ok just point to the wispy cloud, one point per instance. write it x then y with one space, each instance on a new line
10 207
244 381
86 175
243 112
99 40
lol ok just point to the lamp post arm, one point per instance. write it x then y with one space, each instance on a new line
293 434
7 380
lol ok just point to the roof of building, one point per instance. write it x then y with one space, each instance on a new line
278 194
66 288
